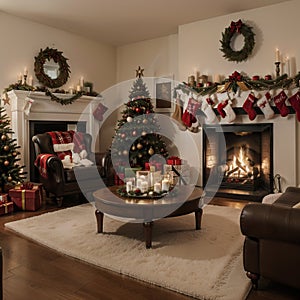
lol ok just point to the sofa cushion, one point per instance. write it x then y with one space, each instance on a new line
289 198
85 173
297 205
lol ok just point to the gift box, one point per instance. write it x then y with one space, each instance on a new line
6 208
3 198
174 160
119 179
28 197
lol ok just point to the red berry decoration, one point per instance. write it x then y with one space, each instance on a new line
147 112
137 191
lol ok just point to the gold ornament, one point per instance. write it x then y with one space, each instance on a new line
6 163
9 178
151 151
139 146
144 133
133 148
145 121
140 155
14 153
3 137
125 152
6 148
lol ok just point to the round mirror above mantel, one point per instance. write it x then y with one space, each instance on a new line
51 68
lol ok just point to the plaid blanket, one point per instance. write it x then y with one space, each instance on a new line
66 137
41 164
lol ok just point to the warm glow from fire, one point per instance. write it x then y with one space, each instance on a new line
240 165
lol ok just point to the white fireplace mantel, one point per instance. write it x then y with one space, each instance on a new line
44 109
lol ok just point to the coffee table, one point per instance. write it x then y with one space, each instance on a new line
145 210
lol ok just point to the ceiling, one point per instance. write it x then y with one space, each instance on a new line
120 22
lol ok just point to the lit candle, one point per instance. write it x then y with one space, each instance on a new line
144 186
81 81
165 185
25 71
78 88
30 81
128 186
157 187
217 78
287 64
71 90
277 55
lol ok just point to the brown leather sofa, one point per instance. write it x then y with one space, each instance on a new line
62 182
272 239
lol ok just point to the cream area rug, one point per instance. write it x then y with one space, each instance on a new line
205 264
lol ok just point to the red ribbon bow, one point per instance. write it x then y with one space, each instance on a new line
236 76
236 26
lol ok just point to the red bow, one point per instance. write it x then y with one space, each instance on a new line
236 26
236 76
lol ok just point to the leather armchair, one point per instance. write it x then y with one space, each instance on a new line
272 239
62 182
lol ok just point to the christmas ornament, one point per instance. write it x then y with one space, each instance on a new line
248 106
237 28
295 102
14 153
6 163
144 133
148 112
133 148
134 133
139 146
264 105
119 153
151 151
3 137
137 109
6 148
140 155
125 152
9 178
145 121
279 101
129 119
123 135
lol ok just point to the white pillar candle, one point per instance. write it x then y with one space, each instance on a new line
78 88
277 55
165 185
81 81
30 81
157 187
144 186
128 186
139 183
25 71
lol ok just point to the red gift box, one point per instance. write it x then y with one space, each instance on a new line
6 208
119 179
3 198
174 160
27 199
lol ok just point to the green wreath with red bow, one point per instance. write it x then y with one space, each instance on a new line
237 28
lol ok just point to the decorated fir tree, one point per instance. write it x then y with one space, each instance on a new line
10 171
137 137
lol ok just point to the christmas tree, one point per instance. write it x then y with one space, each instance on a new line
136 137
10 172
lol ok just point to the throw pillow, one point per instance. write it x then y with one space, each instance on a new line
297 205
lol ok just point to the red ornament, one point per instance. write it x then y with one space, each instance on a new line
148 112
137 109
256 77
268 77
123 135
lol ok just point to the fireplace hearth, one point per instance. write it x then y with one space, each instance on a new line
238 159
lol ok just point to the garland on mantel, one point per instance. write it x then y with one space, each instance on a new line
237 81
63 101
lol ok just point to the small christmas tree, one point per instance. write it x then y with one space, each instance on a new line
136 133
10 172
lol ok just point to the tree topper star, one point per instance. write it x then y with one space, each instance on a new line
139 72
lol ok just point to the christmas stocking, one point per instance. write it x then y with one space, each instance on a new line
279 101
177 115
220 108
248 106
295 102
211 117
99 112
230 114
265 107
27 105
189 115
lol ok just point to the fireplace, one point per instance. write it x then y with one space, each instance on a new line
238 159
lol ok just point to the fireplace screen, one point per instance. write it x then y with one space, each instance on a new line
243 161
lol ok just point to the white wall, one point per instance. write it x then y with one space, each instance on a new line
22 40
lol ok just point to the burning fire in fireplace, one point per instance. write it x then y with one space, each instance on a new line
241 169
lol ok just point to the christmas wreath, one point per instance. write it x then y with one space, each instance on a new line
237 28
64 69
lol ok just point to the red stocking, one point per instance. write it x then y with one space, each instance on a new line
220 108
248 106
295 102
279 101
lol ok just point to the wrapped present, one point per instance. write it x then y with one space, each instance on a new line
27 196
6 208
3 198
174 160
119 179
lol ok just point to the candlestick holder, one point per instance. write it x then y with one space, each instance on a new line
25 79
277 69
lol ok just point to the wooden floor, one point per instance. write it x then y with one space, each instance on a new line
32 271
